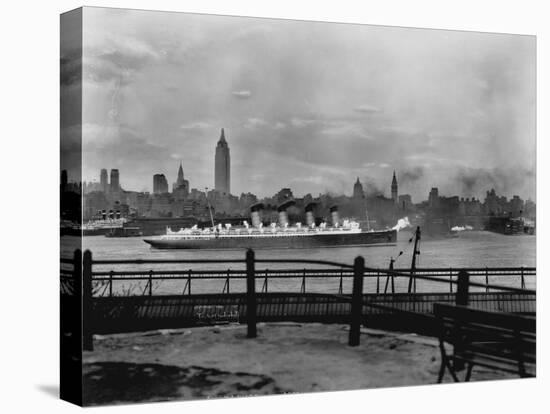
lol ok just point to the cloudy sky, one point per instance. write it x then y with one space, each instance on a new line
307 105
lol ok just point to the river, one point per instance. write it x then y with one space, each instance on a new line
469 249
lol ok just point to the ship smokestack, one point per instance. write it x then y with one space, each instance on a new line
310 218
283 216
334 216
255 214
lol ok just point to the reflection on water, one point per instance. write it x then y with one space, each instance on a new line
470 249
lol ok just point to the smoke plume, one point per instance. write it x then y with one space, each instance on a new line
402 223
507 181
410 175
461 228
372 189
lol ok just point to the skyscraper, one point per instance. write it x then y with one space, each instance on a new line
358 190
160 184
115 184
180 179
103 180
394 195
433 198
222 166
180 188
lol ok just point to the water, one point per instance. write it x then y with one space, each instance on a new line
470 249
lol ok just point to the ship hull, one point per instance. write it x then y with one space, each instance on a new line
296 242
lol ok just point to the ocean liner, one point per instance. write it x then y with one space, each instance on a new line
276 236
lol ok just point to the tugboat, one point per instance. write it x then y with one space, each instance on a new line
277 236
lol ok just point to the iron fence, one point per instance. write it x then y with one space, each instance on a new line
96 283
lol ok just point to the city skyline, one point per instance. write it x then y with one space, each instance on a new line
448 109
357 189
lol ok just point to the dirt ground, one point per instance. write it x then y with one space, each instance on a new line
216 362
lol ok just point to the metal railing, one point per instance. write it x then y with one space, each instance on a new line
306 279
86 280
334 277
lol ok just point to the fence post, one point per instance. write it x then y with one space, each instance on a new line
87 338
303 288
250 294
189 282
356 301
111 283
461 299
522 279
462 288
151 282
388 276
451 279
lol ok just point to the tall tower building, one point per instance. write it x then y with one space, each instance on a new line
103 180
433 198
115 183
180 188
180 179
358 190
160 185
394 195
222 166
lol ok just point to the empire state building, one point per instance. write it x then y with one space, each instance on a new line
222 165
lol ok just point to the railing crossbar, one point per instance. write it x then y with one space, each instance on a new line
321 262
149 278
434 275
161 261
309 272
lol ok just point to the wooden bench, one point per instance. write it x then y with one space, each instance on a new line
496 340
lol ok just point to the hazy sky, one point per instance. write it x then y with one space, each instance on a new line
307 105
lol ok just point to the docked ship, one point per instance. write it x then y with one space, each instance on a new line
510 225
102 227
92 227
275 236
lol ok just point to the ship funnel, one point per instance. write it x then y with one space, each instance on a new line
255 214
310 218
283 216
334 216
